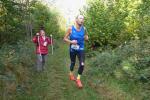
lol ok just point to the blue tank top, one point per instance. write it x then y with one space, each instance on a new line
79 36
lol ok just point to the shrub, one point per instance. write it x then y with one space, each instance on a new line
16 62
131 61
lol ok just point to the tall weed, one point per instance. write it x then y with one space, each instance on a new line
16 63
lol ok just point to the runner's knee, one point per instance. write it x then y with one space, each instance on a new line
82 64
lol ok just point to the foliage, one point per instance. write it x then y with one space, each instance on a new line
11 24
128 63
15 65
111 24
42 16
21 19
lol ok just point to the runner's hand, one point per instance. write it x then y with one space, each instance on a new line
74 42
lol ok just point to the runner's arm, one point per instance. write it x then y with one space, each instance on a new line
67 35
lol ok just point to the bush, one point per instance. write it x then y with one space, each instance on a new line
128 62
16 62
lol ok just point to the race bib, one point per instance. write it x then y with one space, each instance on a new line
76 47
45 44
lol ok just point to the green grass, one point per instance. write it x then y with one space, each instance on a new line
54 83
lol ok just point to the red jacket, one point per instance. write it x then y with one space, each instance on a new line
40 47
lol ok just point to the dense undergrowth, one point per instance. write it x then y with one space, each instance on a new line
16 63
127 66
